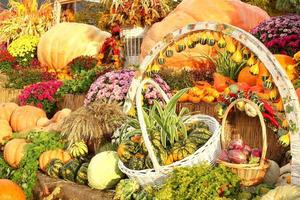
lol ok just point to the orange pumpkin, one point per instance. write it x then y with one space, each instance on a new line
233 12
221 82
263 72
60 115
25 118
14 152
5 130
298 93
279 105
6 109
288 64
47 156
246 77
10 190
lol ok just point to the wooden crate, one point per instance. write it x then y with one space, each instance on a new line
68 190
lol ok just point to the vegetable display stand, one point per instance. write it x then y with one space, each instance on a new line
133 40
250 174
175 41
208 152
66 190
241 122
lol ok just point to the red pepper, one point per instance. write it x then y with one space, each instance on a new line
271 119
268 108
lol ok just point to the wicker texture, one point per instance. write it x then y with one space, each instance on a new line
250 174
208 152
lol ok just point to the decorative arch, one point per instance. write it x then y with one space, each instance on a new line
284 85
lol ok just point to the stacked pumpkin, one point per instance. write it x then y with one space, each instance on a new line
14 118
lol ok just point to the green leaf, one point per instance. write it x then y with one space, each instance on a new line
171 105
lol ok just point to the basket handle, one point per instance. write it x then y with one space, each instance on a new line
141 119
262 123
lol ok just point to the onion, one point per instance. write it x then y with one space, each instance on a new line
247 150
255 156
224 156
236 144
237 156
256 153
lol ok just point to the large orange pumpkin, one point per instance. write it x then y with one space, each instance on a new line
5 130
6 109
47 156
233 12
298 93
246 77
14 152
25 118
66 41
10 190
288 64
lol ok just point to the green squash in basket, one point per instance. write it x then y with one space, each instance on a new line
69 170
126 150
181 151
54 167
137 162
81 177
200 135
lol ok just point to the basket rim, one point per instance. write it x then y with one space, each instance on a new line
266 164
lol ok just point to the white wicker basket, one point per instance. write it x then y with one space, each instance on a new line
208 152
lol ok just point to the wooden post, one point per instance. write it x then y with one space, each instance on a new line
56 12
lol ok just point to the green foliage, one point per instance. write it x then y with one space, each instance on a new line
200 182
82 63
176 79
18 79
5 170
24 49
291 6
26 175
128 189
80 84
91 13
227 67
267 5
5 67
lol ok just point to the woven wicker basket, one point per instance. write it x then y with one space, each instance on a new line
250 174
208 152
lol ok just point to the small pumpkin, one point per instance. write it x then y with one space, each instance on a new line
60 115
6 109
14 152
47 156
288 64
10 190
272 174
54 167
81 177
25 117
221 82
179 151
69 170
5 130
43 121
245 76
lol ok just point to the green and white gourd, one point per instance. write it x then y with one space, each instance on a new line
78 149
